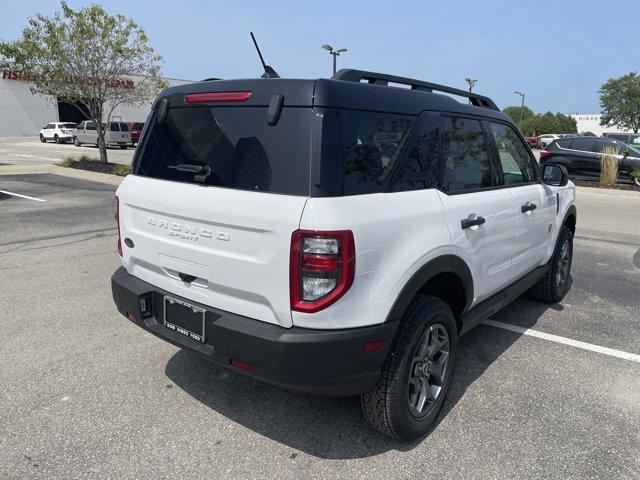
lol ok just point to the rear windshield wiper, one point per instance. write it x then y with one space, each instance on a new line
201 172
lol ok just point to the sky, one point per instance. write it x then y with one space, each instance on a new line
558 52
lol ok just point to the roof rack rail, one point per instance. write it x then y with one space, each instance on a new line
350 75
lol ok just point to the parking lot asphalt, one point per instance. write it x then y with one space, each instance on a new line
28 151
86 394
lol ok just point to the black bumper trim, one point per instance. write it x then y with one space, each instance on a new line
327 362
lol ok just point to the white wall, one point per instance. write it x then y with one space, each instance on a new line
24 114
21 112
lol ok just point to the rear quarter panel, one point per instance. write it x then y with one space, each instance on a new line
395 234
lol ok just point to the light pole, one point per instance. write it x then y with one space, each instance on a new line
335 53
471 83
521 108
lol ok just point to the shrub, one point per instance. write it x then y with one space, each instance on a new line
122 170
67 162
636 175
608 166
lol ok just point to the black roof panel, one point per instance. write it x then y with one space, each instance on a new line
331 93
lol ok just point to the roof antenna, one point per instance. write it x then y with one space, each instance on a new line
268 71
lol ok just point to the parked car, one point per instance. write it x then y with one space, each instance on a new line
115 134
533 141
629 138
59 132
339 242
135 128
547 138
581 156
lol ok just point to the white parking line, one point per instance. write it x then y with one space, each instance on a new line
22 196
566 341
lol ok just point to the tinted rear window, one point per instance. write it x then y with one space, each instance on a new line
465 155
234 148
585 144
124 127
114 127
371 145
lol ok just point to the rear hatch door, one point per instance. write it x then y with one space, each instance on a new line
215 196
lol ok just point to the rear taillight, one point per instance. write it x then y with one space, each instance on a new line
322 268
117 217
209 97
544 154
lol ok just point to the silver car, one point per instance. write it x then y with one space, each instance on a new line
115 134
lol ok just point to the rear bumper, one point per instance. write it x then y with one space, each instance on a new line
327 362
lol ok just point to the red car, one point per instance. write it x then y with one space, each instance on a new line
135 128
533 142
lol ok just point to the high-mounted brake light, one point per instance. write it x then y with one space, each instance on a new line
117 217
210 97
544 153
322 268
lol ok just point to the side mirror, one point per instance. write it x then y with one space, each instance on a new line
555 175
625 153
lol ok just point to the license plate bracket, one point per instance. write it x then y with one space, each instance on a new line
184 318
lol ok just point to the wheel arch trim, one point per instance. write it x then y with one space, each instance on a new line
442 264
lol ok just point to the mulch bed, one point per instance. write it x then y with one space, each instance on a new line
95 166
617 186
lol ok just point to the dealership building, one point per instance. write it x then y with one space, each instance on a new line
590 122
23 113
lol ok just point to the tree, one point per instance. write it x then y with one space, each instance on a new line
620 102
514 113
549 123
89 58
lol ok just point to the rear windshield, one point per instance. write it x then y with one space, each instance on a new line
230 147
69 125
124 127
114 127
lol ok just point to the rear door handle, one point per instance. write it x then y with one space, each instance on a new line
528 207
471 222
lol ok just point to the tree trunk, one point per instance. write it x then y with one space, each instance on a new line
103 148
101 145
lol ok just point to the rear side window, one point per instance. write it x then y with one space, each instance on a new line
517 166
372 143
91 126
465 154
562 143
420 169
230 147
585 144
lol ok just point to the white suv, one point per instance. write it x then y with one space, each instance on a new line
336 236
59 132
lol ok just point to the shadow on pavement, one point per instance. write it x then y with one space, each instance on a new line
326 427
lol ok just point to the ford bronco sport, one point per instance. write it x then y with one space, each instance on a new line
337 236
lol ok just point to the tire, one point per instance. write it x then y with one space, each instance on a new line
56 139
557 281
42 139
76 142
390 406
